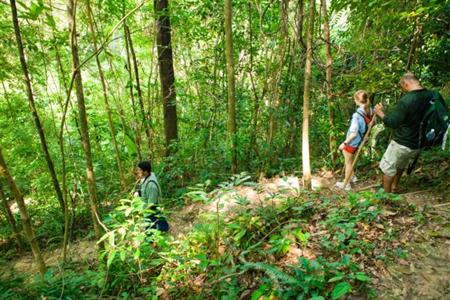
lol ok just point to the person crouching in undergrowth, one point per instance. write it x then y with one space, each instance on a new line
355 134
149 191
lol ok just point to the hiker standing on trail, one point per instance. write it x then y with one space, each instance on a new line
405 120
149 191
355 134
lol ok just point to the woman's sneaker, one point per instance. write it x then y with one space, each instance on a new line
340 185
353 179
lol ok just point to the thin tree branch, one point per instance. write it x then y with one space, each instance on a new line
100 49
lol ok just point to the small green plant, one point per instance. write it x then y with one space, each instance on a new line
311 279
132 250
303 237
280 244
199 192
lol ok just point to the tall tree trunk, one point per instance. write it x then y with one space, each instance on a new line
253 141
166 73
276 77
63 78
145 119
306 94
62 81
231 83
83 118
28 228
33 109
297 58
63 161
328 76
150 97
64 90
300 20
10 218
135 125
105 96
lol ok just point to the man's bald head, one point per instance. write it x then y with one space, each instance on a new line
409 82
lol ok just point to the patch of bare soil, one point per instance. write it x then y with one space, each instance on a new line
425 273
79 251
225 201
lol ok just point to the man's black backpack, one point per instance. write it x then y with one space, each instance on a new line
435 123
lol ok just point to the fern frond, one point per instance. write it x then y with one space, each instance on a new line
273 272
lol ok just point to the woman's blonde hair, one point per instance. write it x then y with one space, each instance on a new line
362 97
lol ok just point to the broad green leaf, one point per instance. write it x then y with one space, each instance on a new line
122 255
336 278
340 290
104 237
51 21
240 234
137 253
361 276
102 255
35 10
111 257
260 292
111 238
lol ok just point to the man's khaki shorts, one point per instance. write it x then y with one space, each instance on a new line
396 157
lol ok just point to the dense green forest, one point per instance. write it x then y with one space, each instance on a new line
240 106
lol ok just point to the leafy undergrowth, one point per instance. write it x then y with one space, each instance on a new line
304 246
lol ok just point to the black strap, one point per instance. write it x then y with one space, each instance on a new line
361 115
154 182
426 115
413 164
157 185
435 95
361 135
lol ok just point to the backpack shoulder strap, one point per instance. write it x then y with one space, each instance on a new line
363 132
365 117
435 95
157 185
360 114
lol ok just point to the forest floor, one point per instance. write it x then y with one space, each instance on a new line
422 273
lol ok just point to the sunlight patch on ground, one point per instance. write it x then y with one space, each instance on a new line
79 251
268 191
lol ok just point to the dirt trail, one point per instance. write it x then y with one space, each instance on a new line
181 221
423 274
81 251
226 201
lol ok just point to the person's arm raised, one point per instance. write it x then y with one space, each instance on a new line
394 119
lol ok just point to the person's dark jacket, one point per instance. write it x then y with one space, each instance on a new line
407 115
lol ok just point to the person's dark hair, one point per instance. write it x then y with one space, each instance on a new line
145 166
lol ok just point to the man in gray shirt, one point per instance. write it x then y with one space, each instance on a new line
148 188
149 191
